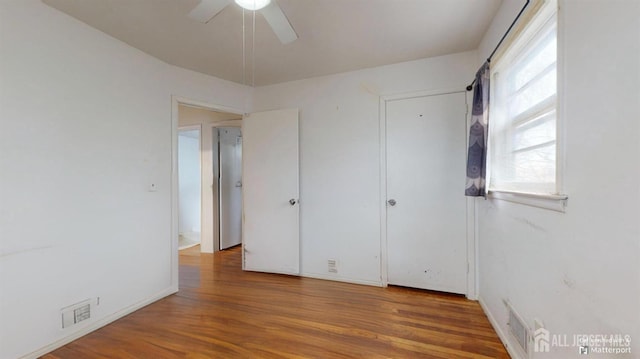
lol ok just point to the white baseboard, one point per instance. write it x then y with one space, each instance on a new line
504 337
342 279
98 324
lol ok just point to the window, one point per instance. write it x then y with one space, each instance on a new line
523 138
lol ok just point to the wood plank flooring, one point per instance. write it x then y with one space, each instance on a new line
223 312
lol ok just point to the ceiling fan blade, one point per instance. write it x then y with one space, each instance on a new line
279 23
208 9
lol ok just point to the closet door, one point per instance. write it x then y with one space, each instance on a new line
426 206
271 235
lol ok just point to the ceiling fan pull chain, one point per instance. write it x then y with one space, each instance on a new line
253 52
244 59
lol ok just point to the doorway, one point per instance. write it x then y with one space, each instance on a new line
189 114
426 210
189 187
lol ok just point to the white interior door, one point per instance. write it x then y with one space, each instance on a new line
271 236
426 208
230 142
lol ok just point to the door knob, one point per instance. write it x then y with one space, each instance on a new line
392 202
292 202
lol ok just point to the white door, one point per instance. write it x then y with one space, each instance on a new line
426 206
230 145
270 192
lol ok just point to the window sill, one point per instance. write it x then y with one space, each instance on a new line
553 202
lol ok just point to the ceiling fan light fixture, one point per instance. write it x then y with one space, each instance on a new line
253 4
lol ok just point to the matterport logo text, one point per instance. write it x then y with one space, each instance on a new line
585 344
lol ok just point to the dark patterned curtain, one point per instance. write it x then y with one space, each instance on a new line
477 155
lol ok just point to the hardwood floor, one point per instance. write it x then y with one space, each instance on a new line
223 312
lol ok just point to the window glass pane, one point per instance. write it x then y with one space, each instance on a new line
536 132
537 92
537 63
536 166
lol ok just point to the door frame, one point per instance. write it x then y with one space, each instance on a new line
175 102
471 221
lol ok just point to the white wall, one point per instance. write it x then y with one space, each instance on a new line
86 127
579 271
207 119
340 156
189 181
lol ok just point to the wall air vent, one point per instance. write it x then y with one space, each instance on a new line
333 266
76 313
518 329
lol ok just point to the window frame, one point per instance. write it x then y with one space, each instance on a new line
533 21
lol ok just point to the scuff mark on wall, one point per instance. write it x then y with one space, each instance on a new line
568 282
370 89
22 251
531 224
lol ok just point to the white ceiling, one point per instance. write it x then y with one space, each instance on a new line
334 35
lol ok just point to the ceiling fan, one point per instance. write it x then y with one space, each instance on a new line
208 9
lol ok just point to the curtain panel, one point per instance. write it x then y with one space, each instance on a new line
478 132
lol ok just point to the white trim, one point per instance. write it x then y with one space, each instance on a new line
175 228
471 287
206 105
556 197
547 201
560 106
506 339
478 243
98 324
215 188
191 127
382 126
472 222
225 123
342 279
